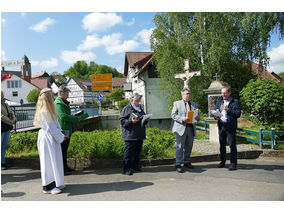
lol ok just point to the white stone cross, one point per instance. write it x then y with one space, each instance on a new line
187 75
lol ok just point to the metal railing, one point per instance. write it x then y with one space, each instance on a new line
25 114
204 126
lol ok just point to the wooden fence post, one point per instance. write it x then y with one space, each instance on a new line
273 137
260 138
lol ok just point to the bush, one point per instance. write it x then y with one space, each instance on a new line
100 144
33 95
22 142
122 104
265 100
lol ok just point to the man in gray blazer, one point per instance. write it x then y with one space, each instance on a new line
184 132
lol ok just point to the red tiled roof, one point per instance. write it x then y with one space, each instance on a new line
256 68
40 82
40 74
132 58
118 82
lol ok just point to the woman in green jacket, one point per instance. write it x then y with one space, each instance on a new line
66 120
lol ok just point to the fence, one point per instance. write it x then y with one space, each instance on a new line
260 134
25 114
273 142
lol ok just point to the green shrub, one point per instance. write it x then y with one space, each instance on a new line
265 100
22 142
122 104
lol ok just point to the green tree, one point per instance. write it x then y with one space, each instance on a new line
82 70
281 75
116 95
33 96
265 100
221 43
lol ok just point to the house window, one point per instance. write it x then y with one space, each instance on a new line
12 84
8 84
16 84
15 93
20 83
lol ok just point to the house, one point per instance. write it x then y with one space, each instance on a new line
18 85
141 73
118 83
17 89
42 80
263 73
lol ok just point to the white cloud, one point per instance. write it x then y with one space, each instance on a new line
131 22
23 14
3 21
124 47
145 35
112 43
3 55
99 22
119 69
41 27
277 59
71 57
53 62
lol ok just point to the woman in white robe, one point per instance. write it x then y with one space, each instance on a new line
49 139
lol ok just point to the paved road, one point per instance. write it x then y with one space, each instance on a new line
259 179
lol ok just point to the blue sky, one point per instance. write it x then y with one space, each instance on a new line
55 41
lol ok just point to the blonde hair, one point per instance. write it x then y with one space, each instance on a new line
45 106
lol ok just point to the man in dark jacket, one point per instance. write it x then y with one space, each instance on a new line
133 132
227 125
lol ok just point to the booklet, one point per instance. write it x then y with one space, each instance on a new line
216 113
191 115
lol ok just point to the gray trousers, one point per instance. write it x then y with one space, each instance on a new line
184 145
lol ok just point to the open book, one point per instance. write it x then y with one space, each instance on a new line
216 113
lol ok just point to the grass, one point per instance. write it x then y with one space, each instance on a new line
31 154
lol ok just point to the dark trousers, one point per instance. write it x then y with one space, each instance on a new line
131 157
224 134
64 147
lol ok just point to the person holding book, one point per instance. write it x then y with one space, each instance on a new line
133 132
230 109
66 121
185 114
48 143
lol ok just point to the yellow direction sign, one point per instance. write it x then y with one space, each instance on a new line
102 77
101 86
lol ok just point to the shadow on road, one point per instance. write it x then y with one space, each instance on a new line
19 177
83 189
12 194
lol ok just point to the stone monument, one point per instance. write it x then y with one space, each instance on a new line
214 92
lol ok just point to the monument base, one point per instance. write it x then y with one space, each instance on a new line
213 130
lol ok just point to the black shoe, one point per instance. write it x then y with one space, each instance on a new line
221 165
188 165
3 166
232 167
128 172
179 169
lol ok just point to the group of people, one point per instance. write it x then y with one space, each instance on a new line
134 130
55 121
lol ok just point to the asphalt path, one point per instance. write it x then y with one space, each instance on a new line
255 180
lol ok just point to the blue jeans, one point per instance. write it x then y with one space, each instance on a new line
4 143
184 145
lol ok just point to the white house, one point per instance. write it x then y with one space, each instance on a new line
145 80
16 88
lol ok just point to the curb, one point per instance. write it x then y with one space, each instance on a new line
92 164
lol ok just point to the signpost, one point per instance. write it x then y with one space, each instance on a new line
102 82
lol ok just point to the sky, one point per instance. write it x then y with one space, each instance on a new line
54 41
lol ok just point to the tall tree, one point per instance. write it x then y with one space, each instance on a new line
214 43
82 70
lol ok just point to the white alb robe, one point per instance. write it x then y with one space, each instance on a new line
49 142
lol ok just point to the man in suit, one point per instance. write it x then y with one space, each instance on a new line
227 125
184 131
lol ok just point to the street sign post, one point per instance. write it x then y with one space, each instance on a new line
102 82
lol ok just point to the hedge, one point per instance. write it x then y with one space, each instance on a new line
99 144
